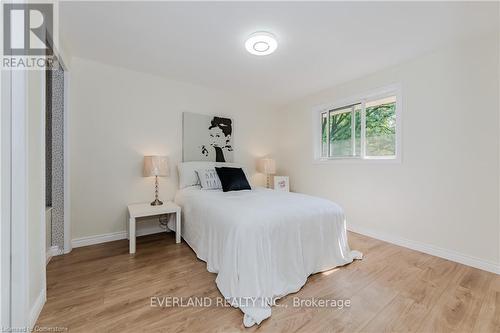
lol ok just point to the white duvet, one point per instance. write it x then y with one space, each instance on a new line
263 244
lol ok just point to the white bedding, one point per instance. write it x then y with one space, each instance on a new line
263 244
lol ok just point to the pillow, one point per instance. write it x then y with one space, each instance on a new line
232 179
209 180
187 172
234 165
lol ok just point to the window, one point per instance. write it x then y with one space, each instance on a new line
365 129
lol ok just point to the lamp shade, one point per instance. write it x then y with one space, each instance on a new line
155 166
267 166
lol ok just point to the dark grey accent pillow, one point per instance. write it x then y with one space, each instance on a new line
232 179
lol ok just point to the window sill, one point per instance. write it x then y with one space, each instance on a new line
350 160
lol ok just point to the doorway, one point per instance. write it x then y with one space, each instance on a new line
55 160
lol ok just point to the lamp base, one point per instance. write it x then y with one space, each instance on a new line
156 203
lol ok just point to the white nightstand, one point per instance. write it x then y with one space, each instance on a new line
145 210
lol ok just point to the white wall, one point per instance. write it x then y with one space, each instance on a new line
118 115
36 192
445 193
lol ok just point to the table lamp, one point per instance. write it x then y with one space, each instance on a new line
268 167
156 166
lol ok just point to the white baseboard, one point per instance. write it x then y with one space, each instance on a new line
113 236
98 239
51 252
37 308
430 249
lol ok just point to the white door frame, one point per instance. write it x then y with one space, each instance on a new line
14 184
19 198
5 195
5 219
15 156
67 199
43 219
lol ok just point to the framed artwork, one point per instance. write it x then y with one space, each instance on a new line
206 138
281 183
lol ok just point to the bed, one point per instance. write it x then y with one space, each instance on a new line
261 243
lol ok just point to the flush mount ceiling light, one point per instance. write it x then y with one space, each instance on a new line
261 43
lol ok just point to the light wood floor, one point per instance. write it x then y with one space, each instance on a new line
102 288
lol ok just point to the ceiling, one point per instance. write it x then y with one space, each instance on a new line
321 44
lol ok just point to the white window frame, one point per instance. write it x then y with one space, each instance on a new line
387 91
